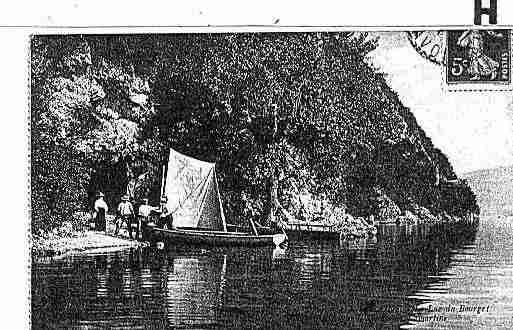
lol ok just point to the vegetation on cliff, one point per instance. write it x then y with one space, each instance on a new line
299 116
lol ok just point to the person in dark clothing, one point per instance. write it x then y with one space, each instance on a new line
165 217
100 210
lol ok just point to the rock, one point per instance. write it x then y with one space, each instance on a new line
386 209
408 218
66 229
445 217
422 213
81 243
139 99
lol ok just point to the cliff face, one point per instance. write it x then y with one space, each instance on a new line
406 172
302 115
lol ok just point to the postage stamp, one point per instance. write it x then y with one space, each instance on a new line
479 56
469 60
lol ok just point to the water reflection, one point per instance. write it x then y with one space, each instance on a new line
474 290
193 290
310 284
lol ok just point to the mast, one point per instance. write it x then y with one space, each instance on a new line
163 184
219 200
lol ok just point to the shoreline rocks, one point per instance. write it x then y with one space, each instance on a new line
80 242
75 239
420 215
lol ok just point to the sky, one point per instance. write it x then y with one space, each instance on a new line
474 129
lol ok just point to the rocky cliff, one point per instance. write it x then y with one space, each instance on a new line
301 116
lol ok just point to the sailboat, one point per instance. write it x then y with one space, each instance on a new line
194 200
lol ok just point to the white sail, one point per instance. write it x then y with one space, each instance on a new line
193 194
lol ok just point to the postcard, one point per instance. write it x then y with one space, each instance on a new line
275 176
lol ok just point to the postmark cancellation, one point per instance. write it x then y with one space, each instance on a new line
470 60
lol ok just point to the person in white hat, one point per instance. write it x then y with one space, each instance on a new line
100 210
125 215
144 217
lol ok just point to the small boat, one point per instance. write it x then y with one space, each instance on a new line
318 230
193 198
216 238
303 229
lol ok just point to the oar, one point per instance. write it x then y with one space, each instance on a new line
253 226
162 186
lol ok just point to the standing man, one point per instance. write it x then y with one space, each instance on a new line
144 217
165 217
100 210
125 215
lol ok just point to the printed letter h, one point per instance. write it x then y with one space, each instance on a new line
480 11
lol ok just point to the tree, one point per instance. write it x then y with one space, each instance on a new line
86 114
282 114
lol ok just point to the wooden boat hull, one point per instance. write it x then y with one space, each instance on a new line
301 230
311 230
311 234
214 238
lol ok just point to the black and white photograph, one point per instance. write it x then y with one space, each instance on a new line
275 176
247 180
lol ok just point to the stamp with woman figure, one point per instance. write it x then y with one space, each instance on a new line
470 60
479 56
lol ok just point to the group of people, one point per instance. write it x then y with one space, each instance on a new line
125 215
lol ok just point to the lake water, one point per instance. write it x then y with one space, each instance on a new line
407 277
